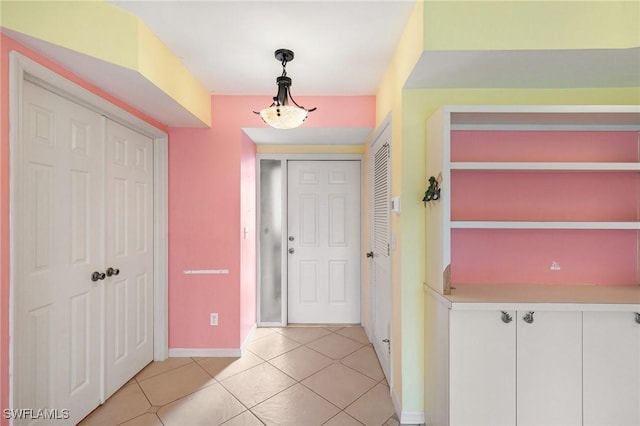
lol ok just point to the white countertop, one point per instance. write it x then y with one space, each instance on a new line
541 297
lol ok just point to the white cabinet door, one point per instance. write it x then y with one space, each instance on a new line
611 369
482 368
549 369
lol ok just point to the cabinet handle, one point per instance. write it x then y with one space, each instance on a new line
506 318
528 317
638 317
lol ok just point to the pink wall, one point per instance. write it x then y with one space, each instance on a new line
7 45
524 256
511 256
212 198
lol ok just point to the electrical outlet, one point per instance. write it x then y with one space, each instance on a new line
213 319
555 266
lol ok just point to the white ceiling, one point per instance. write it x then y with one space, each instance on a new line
341 48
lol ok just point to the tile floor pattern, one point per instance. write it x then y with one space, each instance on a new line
297 376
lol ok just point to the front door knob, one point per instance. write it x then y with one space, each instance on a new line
111 271
292 250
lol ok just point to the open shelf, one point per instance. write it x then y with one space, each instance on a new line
545 166
542 225
526 187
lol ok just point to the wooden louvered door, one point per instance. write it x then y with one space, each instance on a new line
381 266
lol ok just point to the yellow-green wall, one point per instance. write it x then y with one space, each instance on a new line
472 25
105 32
389 104
521 24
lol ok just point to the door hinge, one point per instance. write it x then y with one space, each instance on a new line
388 249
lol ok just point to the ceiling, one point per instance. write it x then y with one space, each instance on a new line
341 48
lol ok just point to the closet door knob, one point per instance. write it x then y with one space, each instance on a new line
97 276
111 271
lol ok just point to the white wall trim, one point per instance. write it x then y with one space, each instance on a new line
205 352
22 68
406 417
309 156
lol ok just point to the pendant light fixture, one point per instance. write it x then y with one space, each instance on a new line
284 112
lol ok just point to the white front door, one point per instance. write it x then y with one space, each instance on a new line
380 260
129 251
324 242
58 245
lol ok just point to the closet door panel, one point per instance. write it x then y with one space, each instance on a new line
58 246
129 250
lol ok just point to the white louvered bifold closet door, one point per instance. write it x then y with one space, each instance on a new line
381 189
381 267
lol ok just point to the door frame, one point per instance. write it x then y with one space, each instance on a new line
23 69
284 158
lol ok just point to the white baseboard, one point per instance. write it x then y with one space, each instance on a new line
406 417
412 418
203 352
212 353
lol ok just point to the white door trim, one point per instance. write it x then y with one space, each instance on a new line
284 157
22 68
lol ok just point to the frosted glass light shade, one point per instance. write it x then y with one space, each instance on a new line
284 116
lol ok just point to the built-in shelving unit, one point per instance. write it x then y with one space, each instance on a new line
533 266
534 194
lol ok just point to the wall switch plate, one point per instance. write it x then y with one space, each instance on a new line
395 205
213 319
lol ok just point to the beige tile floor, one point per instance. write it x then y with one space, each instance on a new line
298 376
